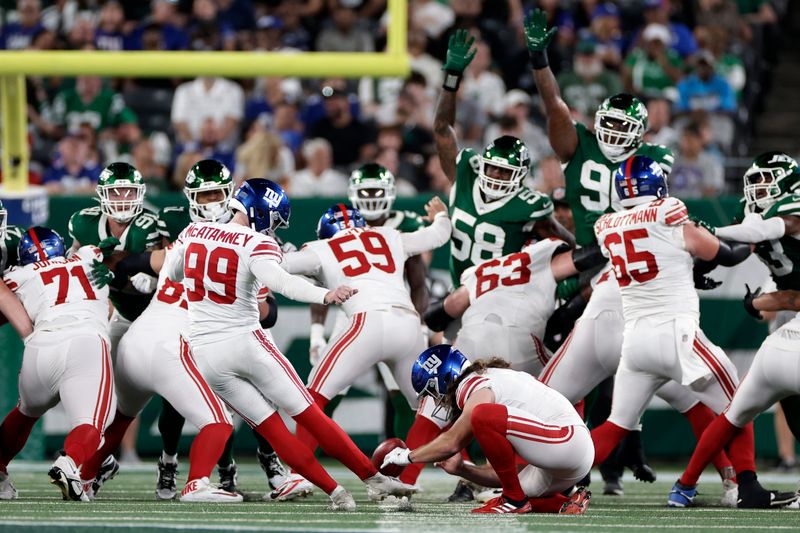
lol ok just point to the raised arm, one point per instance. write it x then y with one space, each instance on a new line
271 275
546 228
429 237
459 56
560 128
755 229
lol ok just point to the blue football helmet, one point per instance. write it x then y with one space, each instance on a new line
436 368
640 180
40 244
264 202
337 218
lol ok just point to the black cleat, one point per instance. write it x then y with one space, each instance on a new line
462 493
273 468
632 456
228 478
165 485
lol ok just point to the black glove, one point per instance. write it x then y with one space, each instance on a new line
436 318
705 283
748 302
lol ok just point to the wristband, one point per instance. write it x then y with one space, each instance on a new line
452 80
538 59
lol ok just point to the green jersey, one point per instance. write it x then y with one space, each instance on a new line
90 226
782 256
589 178
172 221
107 109
486 229
404 221
8 248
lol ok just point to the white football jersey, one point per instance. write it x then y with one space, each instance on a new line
58 295
368 259
219 286
523 391
514 290
647 252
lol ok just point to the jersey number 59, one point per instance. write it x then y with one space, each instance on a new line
355 261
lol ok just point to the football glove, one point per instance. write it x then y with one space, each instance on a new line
538 37
398 456
703 224
101 275
107 246
144 283
459 52
748 302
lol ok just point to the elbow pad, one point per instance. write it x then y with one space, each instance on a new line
588 257
731 253
436 318
272 314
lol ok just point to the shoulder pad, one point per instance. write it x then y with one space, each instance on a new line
790 205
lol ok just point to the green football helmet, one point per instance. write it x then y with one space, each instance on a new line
507 160
121 190
206 176
772 176
3 221
619 124
372 190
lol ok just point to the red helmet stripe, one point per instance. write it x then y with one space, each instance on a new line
36 243
628 182
343 209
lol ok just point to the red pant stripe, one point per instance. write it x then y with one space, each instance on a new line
246 420
715 367
215 401
286 365
109 385
548 371
340 346
723 370
538 432
101 392
541 353
199 382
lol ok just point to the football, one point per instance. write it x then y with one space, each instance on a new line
381 451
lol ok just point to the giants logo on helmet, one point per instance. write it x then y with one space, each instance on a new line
432 364
273 198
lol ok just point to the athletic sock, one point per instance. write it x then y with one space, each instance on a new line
112 437
700 416
422 432
291 451
742 449
226 459
714 438
606 437
170 425
489 424
168 459
303 434
14 432
264 447
81 443
206 449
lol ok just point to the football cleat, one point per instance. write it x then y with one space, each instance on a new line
201 490
273 468
7 489
462 493
578 502
681 495
761 498
108 469
228 477
488 494
341 500
65 475
295 486
380 486
165 485
501 505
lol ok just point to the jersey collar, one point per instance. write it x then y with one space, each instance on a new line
103 232
482 207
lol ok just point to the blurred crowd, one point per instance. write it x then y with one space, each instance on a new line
700 65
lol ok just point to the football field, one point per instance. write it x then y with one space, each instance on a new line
127 502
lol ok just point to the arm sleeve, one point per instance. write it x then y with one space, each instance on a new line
270 273
173 261
428 238
753 230
304 261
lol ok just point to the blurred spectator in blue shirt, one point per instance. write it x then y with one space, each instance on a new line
73 170
704 89
162 16
657 12
109 34
238 14
18 35
204 25
605 32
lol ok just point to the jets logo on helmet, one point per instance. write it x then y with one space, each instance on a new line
121 191
772 176
640 180
208 187
503 165
40 244
619 125
372 190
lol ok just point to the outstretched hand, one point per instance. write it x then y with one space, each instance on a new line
340 295
459 52
434 206
537 36
748 302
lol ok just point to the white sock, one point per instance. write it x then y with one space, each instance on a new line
169 459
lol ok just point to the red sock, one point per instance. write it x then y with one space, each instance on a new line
605 437
299 458
14 432
489 422
580 407
714 438
422 431
113 436
548 504
335 442
81 443
302 433
206 448
742 449
700 416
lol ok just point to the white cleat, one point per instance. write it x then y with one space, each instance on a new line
730 493
488 494
66 476
295 486
201 490
380 486
7 489
341 500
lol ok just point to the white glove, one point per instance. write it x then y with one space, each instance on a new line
144 283
317 343
287 247
398 456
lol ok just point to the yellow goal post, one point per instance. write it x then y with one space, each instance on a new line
15 65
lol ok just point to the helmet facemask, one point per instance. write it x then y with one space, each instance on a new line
761 189
618 134
505 179
3 222
121 201
373 198
216 211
